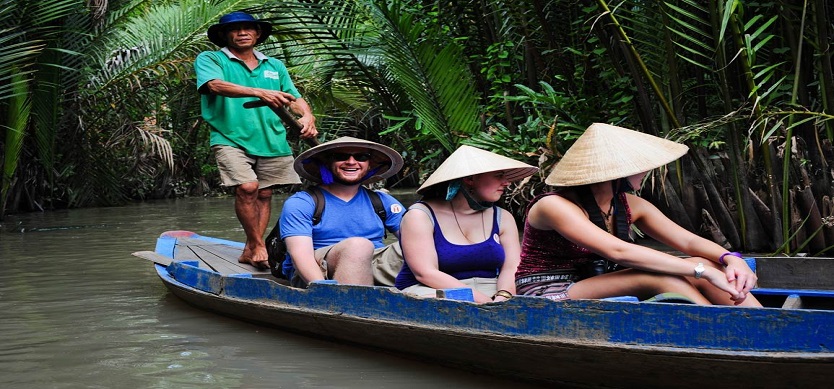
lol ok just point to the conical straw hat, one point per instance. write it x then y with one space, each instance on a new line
467 161
605 152
307 167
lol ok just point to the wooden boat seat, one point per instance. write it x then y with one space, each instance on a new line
794 282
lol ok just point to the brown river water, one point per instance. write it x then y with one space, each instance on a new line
77 310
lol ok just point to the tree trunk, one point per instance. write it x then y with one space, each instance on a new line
666 198
721 213
828 223
796 229
762 211
813 225
714 231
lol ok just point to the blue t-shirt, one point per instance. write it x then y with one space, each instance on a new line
258 131
340 219
482 260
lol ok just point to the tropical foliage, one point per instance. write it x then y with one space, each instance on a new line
99 106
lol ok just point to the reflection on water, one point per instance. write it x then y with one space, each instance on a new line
79 311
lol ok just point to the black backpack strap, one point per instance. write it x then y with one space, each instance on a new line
379 209
318 198
586 199
621 229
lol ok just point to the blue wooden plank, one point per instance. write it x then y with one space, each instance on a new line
165 245
632 299
189 274
751 262
460 294
798 292
244 286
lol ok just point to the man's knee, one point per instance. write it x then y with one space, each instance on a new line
357 245
248 190
351 252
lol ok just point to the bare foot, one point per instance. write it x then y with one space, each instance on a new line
260 258
257 257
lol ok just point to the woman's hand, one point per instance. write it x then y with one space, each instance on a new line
739 274
481 298
720 280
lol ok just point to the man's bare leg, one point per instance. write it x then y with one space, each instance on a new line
260 255
252 209
350 261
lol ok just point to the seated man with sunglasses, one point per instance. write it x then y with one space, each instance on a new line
346 245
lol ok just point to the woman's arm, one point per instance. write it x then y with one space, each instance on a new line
654 223
508 232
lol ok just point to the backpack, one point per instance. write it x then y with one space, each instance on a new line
276 249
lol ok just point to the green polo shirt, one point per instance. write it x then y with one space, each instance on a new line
258 131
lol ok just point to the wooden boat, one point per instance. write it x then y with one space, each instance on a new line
589 343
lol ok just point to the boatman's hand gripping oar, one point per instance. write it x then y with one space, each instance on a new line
286 117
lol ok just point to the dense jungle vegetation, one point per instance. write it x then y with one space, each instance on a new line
98 104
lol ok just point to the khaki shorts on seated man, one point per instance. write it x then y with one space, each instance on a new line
346 245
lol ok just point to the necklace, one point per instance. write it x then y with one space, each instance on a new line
607 216
483 228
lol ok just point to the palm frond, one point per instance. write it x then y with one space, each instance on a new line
15 130
332 49
691 25
161 43
436 80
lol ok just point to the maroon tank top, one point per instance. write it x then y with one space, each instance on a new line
547 250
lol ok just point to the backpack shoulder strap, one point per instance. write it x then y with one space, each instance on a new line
318 198
590 205
379 209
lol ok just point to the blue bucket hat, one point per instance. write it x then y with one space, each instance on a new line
217 36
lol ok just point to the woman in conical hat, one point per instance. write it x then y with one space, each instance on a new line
455 237
576 240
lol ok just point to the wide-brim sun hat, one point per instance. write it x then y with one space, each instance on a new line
468 161
218 37
387 160
606 152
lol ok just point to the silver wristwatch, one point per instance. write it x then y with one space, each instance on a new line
699 270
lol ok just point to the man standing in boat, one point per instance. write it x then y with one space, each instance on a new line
346 245
250 145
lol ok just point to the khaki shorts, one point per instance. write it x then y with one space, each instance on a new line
386 264
236 167
487 286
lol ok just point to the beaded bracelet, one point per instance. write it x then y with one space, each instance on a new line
503 293
721 258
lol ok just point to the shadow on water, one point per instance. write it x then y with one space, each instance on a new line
80 311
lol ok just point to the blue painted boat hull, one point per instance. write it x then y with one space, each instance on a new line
590 343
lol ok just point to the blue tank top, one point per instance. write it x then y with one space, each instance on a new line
482 259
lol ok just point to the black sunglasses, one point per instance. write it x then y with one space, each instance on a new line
359 157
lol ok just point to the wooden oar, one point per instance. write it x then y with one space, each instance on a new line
289 121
